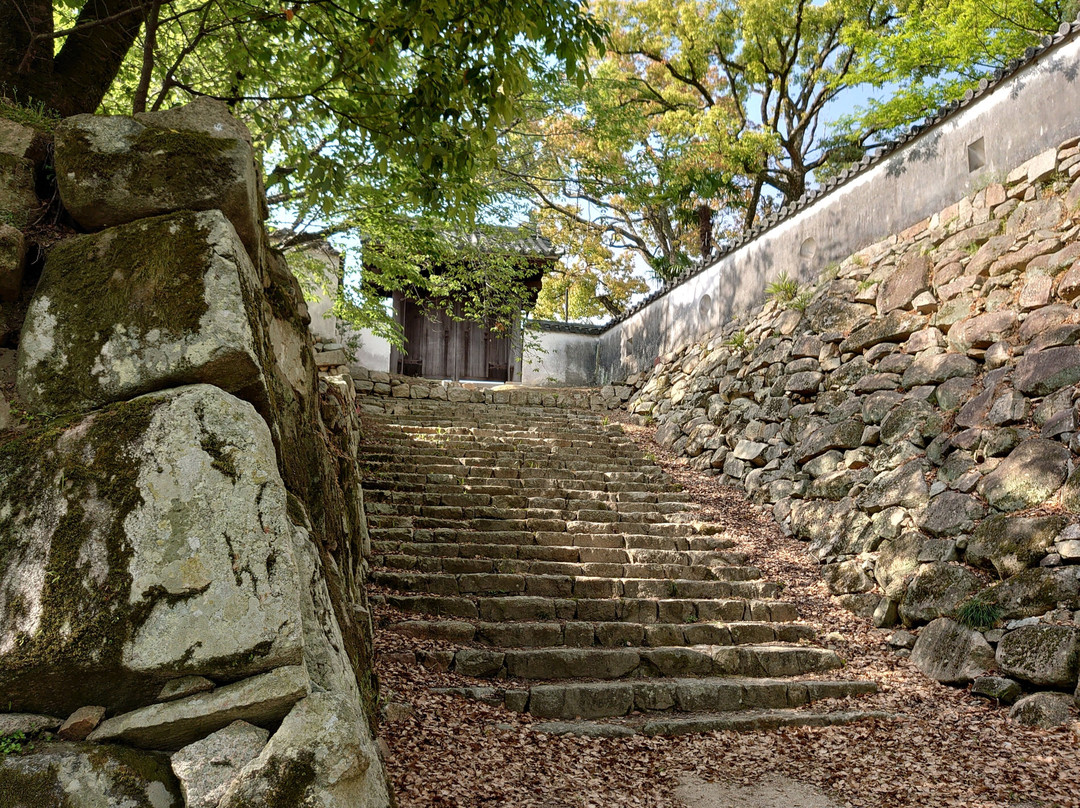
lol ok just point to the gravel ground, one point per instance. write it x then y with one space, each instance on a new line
942 748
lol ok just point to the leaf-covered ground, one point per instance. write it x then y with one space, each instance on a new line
944 748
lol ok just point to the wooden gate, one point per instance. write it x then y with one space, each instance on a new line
438 346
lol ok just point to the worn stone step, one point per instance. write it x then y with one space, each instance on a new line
524 607
580 587
515 566
742 721
525 539
625 663
708 695
690 559
608 635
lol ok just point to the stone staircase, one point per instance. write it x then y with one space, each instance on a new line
564 566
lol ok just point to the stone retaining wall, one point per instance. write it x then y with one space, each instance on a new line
182 534
914 418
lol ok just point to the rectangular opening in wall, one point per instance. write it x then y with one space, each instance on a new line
976 154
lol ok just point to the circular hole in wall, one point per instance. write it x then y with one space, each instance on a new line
808 249
704 306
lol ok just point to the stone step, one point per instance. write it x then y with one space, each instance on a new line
742 721
690 559
755 661
567 586
610 541
446 483
605 610
515 566
385 513
481 495
614 699
608 635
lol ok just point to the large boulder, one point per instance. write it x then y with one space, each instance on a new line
1031 473
1034 592
12 262
1043 372
156 545
208 767
898 559
138 308
911 277
321 755
951 513
936 591
115 169
1011 544
1044 655
81 775
951 653
904 486
17 197
1042 710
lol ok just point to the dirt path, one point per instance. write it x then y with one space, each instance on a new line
943 749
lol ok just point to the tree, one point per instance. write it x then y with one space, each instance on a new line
929 52
592 280
702 115
371 114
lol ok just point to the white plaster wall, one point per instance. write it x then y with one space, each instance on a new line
559 358
1032 111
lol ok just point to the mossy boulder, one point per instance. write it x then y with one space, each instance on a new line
1011 544
1031 473
138 308
323 754
936 590
1034 592
144 542
70 775
12 262
115 169
1045 656
18 200
951 653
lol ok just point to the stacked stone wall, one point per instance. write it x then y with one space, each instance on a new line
182 535
914 418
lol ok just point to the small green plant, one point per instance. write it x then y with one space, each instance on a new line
15 744
650 457
865 284
978 614
604 420
783 290
740 342
31 113
801 301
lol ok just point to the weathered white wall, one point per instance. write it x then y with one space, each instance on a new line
560 358
1025 114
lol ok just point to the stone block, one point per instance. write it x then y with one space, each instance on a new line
950 653
1011 544
17 196
936 590
323 754
1044 372
149 305
12 262
262 699
83 775
1044 655
1031 473
1043 710
112 170
143 542
209 766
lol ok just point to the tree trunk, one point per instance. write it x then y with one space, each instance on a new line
79 76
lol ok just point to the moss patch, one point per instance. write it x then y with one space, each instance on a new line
86 616
158 162
141 277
